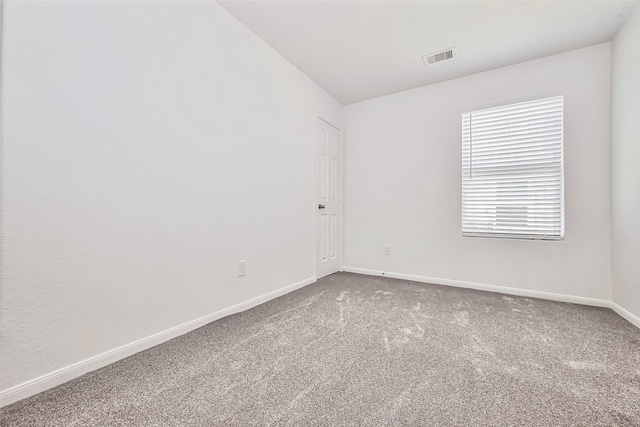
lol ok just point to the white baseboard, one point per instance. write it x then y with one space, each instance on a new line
483 287
60 376
632 318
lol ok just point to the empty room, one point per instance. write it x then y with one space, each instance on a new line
320 213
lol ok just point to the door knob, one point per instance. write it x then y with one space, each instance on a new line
321 206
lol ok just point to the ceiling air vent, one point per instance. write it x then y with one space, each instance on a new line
439 56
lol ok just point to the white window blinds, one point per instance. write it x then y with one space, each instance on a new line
512 172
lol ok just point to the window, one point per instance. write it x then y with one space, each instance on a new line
512 171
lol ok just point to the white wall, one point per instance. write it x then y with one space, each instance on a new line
403 178
147 147
625 165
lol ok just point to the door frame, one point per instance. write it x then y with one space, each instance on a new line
340 241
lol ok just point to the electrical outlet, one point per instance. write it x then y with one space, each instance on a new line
242 268
386 249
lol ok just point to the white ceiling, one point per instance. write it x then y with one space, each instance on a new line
358 50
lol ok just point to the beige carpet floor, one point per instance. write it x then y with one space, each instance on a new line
355 350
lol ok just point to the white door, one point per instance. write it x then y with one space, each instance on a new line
329 196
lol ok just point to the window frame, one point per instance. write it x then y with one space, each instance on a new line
517 234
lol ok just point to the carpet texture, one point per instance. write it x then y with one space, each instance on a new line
369 351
